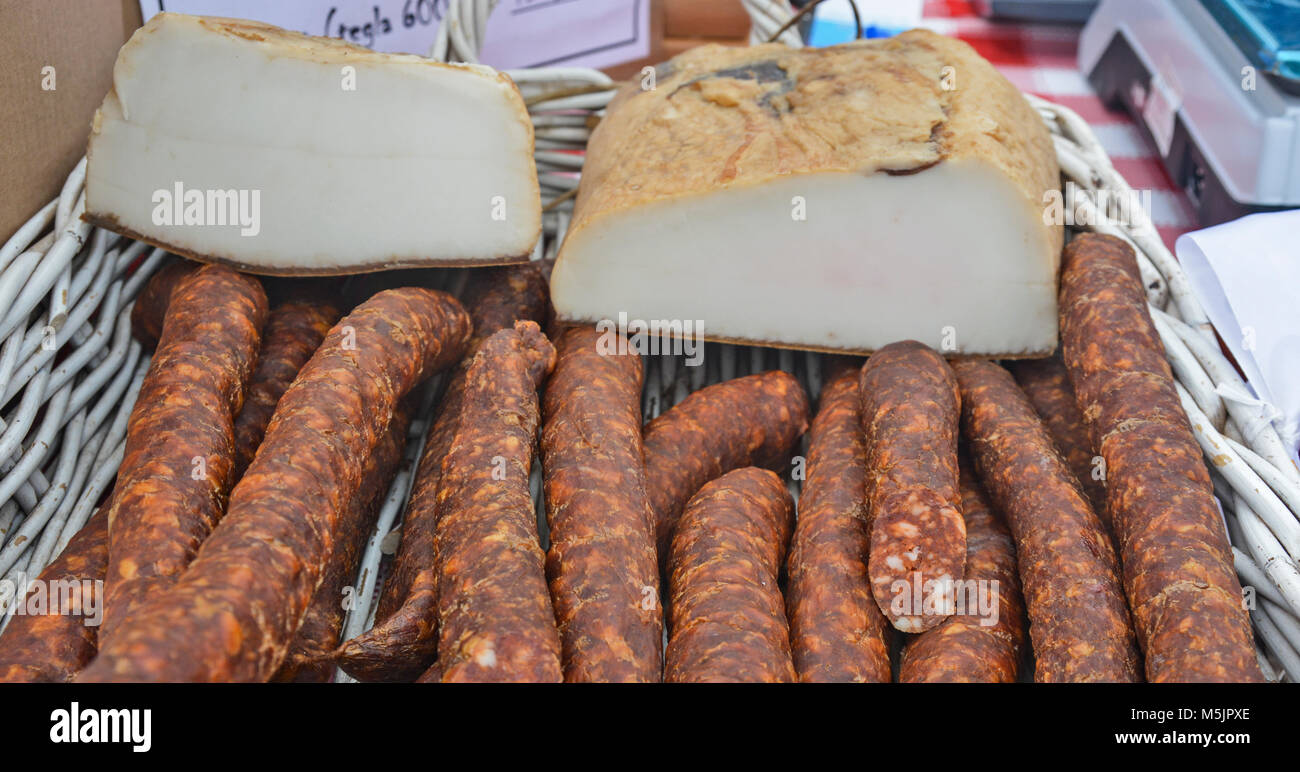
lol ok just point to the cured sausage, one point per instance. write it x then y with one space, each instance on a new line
727 618
603 571
151 304
309 657
1047 384
495 619
749 421
54 646
910 414
294 330
403 642
837 632
983 641
1079 623
239 604
1178 575
179 462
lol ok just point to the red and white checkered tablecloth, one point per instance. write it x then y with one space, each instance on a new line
1042 60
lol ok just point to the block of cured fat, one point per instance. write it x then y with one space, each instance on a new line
833 199
237 142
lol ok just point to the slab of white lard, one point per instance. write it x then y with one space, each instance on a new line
236 142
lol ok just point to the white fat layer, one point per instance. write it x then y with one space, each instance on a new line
406 168
952 254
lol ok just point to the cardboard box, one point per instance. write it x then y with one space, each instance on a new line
45 128
725 19
691 23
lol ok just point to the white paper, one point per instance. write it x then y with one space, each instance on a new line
520 33
1246 274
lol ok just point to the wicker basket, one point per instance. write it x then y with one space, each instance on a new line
70 370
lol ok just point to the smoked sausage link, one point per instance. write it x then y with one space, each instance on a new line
403 642
179 463
602 567
294 330
1047 384
727 616
52 647
1178 575
751 421
495 619
837 632
982 642
309 658
151 304
237 607
1078 621
910 414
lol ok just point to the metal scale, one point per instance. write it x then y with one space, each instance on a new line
1216 86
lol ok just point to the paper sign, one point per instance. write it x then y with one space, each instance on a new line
520 33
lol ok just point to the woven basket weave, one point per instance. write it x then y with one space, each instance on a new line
70 370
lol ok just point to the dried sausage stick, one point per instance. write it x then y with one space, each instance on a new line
403 642
604 574
983 642
495 621
151 304
910 414
837 632
1078 621
749 421
309 659
1178 576
1047 384
178 468
54 646
235 610
294 330
727 616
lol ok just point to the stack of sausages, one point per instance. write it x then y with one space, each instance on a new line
958 521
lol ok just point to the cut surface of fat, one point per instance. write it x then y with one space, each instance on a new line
237 142
834 199
931 257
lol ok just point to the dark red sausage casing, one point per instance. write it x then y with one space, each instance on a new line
495 619
727 616
294 330
52 647
309 659
837 632
602 566
237 607
910 414
983 641
751 421
179 464
403 641
1047 384
1078 620
1178 574
151 304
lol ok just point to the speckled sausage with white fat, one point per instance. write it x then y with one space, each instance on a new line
910 413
